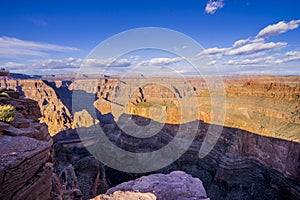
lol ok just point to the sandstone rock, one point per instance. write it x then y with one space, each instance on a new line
120 195
25 150
50 107
29 132
18 155
13 94
27 107
38 186
3 126
176 185
21 123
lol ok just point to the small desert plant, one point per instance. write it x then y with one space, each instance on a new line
7 113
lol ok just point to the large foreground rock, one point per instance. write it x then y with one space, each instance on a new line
176 185
21 158
120 195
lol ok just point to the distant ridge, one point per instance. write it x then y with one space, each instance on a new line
24 76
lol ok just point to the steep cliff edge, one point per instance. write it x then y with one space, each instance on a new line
25 152
53 110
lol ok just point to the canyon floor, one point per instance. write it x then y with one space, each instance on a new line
250 125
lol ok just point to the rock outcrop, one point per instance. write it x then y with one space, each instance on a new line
26 162
55 111
119 195
176 185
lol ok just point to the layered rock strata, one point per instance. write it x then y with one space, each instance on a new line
54 110
25 152
265 105
241 164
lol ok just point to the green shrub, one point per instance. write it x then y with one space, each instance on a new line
7 113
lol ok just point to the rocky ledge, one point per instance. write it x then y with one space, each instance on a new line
25 152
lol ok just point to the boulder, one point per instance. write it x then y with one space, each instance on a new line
120 195
21 158
176 185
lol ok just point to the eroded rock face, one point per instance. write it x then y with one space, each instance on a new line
268 106
25 153
264 105
51 105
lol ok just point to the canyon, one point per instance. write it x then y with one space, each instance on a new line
255 155
265 105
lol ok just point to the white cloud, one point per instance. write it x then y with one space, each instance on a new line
249 49
213 62
12 48
274 59
241 42
279 28
213 51
68 65
14 66
57 63
293 53
109 62
160 61
257 61
291 56
212 6
256 47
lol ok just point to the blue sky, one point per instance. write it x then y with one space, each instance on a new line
251 36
